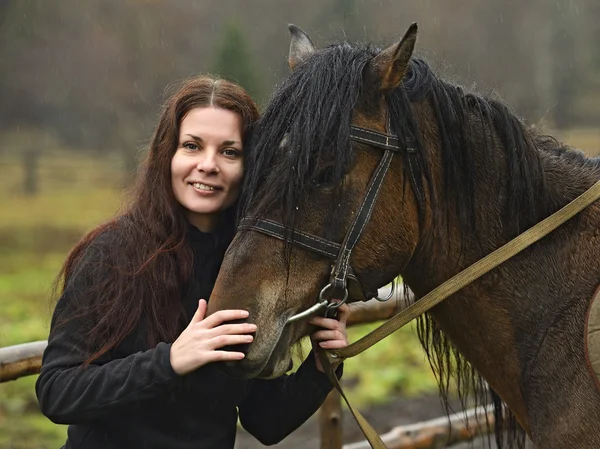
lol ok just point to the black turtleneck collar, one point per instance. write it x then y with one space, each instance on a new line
208 249
199 238
220 238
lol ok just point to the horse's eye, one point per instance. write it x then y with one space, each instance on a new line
325 178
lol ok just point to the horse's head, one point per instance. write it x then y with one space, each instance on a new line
310 169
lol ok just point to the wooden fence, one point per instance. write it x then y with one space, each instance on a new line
25 359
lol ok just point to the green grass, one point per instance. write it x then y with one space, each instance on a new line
396 365
36 234
25 317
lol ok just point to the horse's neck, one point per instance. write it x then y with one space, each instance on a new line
480 319
568 175
447 249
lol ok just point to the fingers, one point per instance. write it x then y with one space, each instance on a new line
329 339
198 344
229 340
222 356
333 332
232 329
327 323
328 335
343 313
200 312
333 344
222 316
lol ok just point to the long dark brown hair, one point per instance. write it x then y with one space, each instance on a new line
139 264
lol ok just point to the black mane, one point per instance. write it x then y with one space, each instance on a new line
312 110
460 117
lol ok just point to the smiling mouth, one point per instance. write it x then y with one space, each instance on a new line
203 187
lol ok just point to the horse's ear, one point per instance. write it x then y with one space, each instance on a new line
393 62
301 47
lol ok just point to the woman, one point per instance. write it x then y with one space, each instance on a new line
130 361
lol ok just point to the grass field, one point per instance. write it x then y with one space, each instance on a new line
36 233
77 192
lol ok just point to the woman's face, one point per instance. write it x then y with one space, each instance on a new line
207 168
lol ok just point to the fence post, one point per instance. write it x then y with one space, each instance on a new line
330 421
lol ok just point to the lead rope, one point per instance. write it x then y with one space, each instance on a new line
330 359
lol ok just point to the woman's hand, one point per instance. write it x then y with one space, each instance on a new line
333 335
198 344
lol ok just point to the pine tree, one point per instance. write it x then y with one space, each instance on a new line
234 60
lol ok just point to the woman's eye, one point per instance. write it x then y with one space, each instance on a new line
190 146
231 152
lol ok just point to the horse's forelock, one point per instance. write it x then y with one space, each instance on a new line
305 126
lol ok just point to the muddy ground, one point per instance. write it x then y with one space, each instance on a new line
382 418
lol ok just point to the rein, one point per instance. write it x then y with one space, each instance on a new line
341 270
330 359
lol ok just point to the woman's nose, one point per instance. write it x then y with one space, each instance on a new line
208 163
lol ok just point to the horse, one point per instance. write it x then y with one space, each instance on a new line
465 176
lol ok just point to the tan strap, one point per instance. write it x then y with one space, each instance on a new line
471 273
332 358
370 434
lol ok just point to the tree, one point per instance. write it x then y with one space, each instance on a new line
344 13
234 61
565 73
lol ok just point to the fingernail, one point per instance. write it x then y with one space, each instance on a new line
244 313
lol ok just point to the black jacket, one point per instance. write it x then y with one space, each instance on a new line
132 398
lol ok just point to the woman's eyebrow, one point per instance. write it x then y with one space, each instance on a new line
225 142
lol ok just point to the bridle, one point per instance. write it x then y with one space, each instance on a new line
341 270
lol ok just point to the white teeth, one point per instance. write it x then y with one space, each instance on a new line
201 186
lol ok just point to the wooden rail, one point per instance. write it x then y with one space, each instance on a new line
21 360
437 433
26 359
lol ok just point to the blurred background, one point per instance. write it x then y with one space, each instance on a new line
81 84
